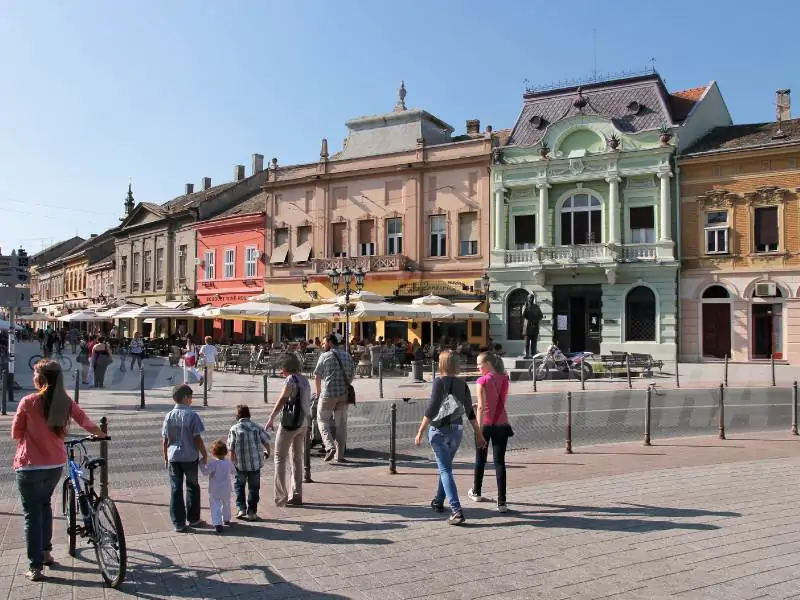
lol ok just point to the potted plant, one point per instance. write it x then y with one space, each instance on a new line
544 150
613 142
666 134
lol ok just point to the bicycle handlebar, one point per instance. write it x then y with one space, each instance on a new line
88 438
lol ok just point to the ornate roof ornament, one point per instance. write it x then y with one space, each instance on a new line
766 196
323 152
129 201
401 98
718 199
580 101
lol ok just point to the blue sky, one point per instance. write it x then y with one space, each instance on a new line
170 91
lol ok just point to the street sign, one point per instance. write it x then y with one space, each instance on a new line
15 297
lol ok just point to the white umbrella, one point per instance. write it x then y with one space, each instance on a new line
365 306
114 312
84 316
442 309
264 307
205 312
153 311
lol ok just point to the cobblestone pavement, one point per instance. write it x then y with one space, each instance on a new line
694 518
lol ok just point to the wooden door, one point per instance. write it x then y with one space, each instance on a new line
717 330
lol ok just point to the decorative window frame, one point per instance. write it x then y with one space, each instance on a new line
559 205
624 312
764 197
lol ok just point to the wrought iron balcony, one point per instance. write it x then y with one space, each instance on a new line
390 262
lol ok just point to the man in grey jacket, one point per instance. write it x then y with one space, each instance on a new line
333 372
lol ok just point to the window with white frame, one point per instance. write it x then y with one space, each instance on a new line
437 225
229 264
394 236
250 265
468 234
148 269
159 268
581 220
642 223
525 232
716 230
209 272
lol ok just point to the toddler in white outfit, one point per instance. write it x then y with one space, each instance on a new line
220 472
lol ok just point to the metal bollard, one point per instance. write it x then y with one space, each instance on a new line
205 385
533 375
77 386
104 456
628 371
569 424
583 378
772 367
265 377
141 387
3 400
677 376
380 379
725 374
393 439
721 412
307 456
433 368
794 408
647 410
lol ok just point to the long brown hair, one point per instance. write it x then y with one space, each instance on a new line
55 401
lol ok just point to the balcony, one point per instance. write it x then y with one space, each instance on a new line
392 262
600 255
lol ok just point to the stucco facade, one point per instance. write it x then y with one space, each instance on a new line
584 215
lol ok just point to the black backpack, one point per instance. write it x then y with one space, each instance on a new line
292 413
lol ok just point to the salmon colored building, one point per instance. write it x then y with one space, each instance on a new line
230 267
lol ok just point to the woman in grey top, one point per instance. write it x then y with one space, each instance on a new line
445 418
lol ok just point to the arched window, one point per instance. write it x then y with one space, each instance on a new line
581 220
640 315
716 291
515 304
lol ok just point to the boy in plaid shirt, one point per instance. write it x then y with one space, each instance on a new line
245 441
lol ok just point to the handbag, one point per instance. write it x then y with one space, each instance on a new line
292 411
351 392
506 426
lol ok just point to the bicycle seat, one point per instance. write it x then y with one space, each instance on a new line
94 463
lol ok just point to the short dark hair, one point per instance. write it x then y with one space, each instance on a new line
243 411
219 449
291 363
181 392
333 339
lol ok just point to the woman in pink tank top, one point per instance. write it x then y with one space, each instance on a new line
491 414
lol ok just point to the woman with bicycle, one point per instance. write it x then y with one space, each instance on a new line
39 427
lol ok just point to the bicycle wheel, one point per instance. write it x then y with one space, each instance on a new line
33 360
69 508
112 554
66 363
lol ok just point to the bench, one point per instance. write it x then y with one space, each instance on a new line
643 364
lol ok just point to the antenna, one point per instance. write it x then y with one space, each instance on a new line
652 62
594 71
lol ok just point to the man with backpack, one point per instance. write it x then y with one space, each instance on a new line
334 374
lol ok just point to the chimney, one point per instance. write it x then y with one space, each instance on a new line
473 126
189 188
258 163
206 183
238 172
783 104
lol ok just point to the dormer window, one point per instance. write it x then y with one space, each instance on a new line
536 122
634 107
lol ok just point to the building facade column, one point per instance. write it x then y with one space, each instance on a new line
666 207
613 209
499 220
544 193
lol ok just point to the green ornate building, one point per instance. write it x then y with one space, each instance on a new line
584 211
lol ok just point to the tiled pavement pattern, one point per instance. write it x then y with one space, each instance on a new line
695 518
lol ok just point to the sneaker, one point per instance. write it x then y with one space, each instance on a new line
330 455
437 506
200 383
181 529
253 517
342 461
218 528
49 561
241 515
457 518
296 501
34 574
198 523
475 496
228 523
502 507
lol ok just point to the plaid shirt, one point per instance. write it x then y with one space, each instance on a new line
245 441
334 384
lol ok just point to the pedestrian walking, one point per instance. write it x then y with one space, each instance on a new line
83 360
219 471
102 358
208 353
449 403
39 427
136 350
292 412
492 388
333 374
247 442
183 447
74 339
190 359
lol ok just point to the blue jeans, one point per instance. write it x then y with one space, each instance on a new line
179 510
36 489
251 479
445 443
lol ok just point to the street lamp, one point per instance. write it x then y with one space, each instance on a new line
304 282
351 282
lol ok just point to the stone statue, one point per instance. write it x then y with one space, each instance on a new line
532 316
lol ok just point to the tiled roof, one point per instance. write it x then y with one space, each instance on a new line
681 103
195 199
634 104
737 137
153 207
251 206
56 250
693 94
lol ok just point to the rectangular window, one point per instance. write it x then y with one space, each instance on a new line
159 268
468 234
432 190
472 185
148 269
338 197
394 192
281 237
641 220
281 250
766 232
366 238
137 275
525 232
182 251
302 253
437 226
229 264
250 262
309 200
209 273
717 232
394 236
339 239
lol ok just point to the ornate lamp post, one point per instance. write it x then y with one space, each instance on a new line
350 282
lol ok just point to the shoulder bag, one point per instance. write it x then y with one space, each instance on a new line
351 392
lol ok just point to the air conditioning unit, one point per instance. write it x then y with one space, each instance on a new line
768 289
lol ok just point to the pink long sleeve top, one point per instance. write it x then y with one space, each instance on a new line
37 446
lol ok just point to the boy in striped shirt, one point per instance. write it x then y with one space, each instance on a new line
245 442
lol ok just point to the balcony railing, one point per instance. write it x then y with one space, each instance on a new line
583 254
392 262
639 252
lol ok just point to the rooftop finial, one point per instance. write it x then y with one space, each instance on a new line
401 97
129 201
323 152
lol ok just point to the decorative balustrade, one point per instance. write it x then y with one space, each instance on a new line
582 254
392 262
639 252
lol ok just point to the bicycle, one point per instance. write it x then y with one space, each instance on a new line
101 521
64 361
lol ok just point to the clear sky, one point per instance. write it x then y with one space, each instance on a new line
170 91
